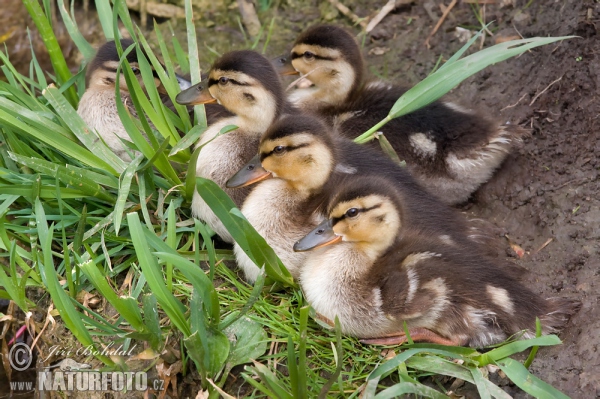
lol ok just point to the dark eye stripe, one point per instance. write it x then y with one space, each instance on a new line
105 68
289 148
360 210
316 56
212 81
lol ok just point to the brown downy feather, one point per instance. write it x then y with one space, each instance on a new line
450 150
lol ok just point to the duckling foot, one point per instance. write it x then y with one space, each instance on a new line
416 334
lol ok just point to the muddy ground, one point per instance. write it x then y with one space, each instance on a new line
549 189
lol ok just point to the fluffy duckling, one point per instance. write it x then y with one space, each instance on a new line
375 270
449 149
306 161
246 84
98 107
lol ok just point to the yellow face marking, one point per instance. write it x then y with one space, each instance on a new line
374 227
305 162
244 96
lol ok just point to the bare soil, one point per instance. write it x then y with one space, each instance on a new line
549 189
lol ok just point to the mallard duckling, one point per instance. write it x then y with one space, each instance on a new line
384 271
98 107
306 161
246 84
449 149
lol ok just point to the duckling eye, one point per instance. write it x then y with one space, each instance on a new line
352 212
279 149
223 80
309 55
135 70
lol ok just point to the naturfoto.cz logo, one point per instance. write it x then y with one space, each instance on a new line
71 379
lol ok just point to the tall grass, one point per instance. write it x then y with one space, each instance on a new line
75 217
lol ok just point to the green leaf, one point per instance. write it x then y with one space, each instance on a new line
127 307
528 382
124 187
152 320
74 177
61 300
172 307
445 79
54 51
84 47
516 347
242 231
248 341
404 388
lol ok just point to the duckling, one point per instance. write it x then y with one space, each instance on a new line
98 107
246 84
449 149
305 161
374 270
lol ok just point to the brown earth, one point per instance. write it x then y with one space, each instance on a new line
546 190
549 189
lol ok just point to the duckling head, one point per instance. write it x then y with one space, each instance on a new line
298 149
363 212
246 84
102 71
331 59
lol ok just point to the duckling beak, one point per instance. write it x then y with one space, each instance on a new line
321 236
283 65
196 94
250 173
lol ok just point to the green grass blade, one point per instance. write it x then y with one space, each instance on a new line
392 364
36 117
199 281
127 307
270 379
538 333
172 307
528 382
480 382
151 320
84 47
69 177
106 18
516 347
404 388
10 285
242 231
124 188
54 51
69 315
195 72
444 79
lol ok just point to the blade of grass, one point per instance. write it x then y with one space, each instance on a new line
242 231
444 79
174 309
61 300
527 381
124 188
54 51
84 47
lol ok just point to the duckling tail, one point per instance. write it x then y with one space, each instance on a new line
512 135
561 310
